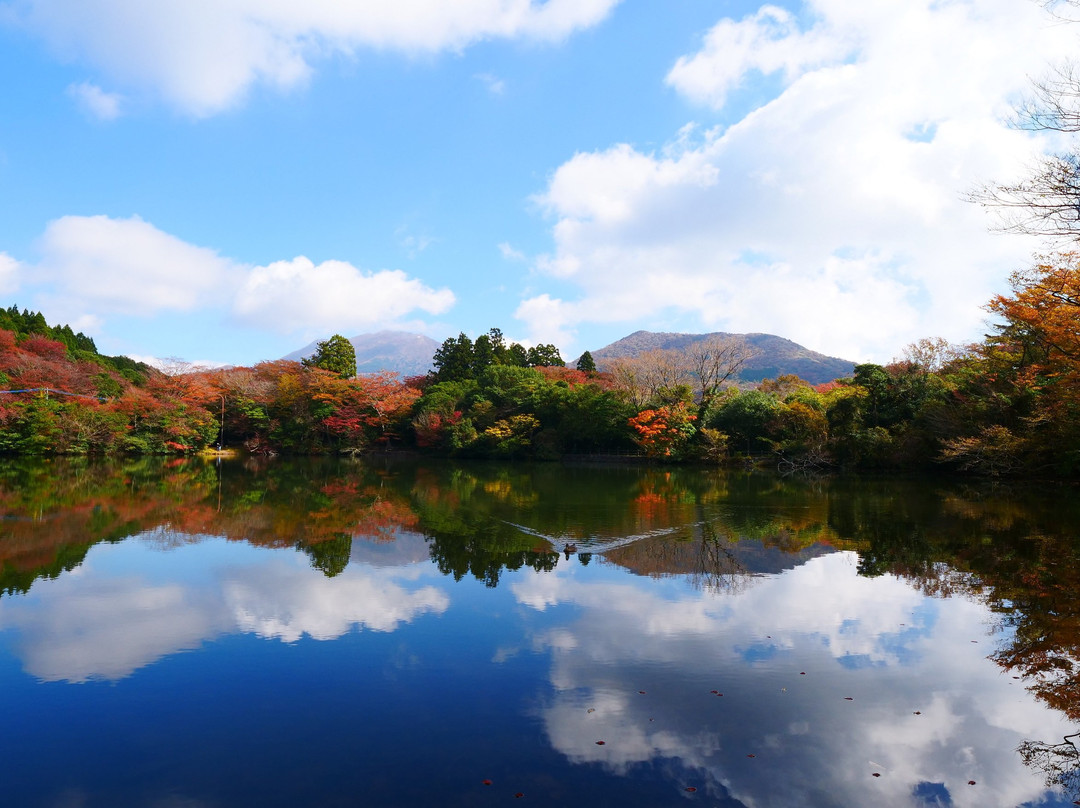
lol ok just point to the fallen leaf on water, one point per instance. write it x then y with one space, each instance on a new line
601 743
802 673
591 710
691 788
642 692
917 712
848 698
487 782
877 774
518 796
714 692
751 755
971 782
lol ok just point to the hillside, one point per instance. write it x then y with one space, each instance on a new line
775 356
399 351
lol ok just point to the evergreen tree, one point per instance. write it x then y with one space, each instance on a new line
586 364
517 356
454 359
483 354
545 356
336 355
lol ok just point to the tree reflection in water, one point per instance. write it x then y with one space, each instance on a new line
1059 763
1015 551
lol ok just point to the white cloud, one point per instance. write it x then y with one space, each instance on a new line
96 266
833 214
494 84
128 266
202 55
10 270
767 42
298 295
412 244
507 251
95 101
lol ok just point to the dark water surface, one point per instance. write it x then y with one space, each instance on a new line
340 633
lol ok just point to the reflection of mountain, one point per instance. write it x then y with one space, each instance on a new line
711 557
1017 553
720 615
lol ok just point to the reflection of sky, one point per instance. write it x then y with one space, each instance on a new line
131 604
822 679
786 654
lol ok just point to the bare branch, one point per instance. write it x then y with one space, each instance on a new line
714 361
1064 10
1054 102
1046 204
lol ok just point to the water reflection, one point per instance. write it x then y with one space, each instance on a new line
106 622
589 635
784 658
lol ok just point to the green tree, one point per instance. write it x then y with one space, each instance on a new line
749 418
483 354
586 363
545 356
517 356
336 355
453 360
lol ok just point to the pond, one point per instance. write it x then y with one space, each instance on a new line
374 633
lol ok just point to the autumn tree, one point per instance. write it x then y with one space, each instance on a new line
1032 362
654 377
713 362
664 431
932 354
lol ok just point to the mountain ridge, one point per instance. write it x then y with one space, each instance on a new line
776 356
410 354
402 352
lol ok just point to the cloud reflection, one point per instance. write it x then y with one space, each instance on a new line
826 678
104 623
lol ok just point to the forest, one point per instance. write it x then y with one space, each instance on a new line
1008 405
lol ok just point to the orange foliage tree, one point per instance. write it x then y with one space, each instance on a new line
664 431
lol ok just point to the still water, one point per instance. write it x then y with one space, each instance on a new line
341 633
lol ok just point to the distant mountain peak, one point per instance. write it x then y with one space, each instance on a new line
401 352
410 354
776 356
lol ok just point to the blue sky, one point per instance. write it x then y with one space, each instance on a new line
226 180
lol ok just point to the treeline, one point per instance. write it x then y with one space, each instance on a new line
62 397
1008 405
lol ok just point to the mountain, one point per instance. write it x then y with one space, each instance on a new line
410 354
775 356
399 351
